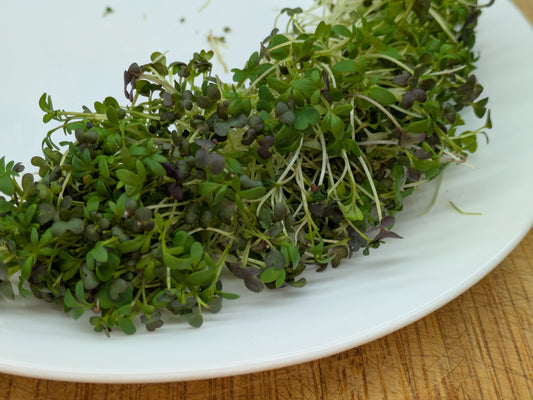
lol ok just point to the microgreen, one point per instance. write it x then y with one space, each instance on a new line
302 160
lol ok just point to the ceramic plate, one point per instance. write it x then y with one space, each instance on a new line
77 53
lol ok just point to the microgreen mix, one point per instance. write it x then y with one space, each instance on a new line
301 161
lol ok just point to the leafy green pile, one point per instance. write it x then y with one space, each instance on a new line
304 159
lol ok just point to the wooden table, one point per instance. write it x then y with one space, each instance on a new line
479 346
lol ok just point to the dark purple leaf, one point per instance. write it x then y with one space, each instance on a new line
407 139
402 79
216 163
408 99
266 141
175 190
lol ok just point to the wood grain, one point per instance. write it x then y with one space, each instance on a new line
479 346
526 6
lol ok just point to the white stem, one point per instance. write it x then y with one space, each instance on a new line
324 159
282 177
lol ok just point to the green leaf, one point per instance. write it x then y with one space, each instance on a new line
273 275
277 84
79 166
28 186
105 271
125 309
141 171
308 116
281 278
277 47
351 212
48 117
70 301
75 225
126 325
126 157
326 122
346 66
43 104
46 237
92 204
205 188
488 124
48 251
270 275
30 213
234 165
26 268
306 86
4 273
176 263
131 245
419 126
34 235
239 75
6 290
194 319
265 93
229 296
196 252
80 292
480 107
351 146
103 167
6 184
253 193
294 255
322 30
425 165
200 278
76 313
381 95
337 127
391 52
155 167
128 177
341 30
5 206
112 115
23 291
397 180
220 194
343 109
240 106
291 11
116 288
287 118
99 253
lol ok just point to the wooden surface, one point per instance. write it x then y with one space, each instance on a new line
479 346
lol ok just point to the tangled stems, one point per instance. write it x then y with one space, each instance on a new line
302 160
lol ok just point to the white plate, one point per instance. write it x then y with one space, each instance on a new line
69 50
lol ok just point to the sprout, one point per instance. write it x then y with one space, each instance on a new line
301 161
